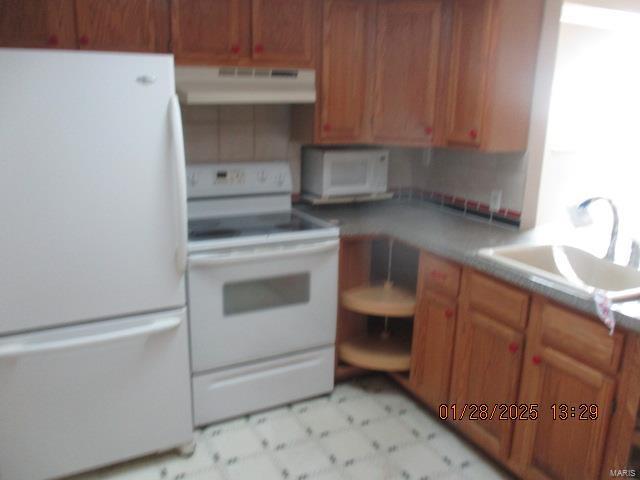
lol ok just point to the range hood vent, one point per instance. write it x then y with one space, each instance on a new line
244 85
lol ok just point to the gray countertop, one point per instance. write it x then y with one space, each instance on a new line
458 238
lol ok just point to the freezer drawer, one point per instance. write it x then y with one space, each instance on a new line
256 386
76 398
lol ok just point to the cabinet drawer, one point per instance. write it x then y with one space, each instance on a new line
439 275
504 303
582 338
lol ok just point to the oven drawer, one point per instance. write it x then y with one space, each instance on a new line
257 386
250 304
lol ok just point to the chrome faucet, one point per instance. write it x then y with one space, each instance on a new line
611 251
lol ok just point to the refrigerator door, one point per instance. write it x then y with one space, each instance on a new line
80 397
91 187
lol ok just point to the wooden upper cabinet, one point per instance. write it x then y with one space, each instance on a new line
487 365
493 47
570 446
122 25
37 23
343 82
468 70
283 32
406 71
210 31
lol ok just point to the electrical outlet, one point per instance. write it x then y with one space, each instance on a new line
496 200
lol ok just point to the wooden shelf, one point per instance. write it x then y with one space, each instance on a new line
391 354
380 300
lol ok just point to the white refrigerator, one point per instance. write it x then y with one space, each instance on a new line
94 364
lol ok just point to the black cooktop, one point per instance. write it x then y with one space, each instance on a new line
248 225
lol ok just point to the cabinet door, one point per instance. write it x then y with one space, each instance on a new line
283 32
122 25
37 23
432 348
210 31
571 446
488 357
468 71
344 69
406 71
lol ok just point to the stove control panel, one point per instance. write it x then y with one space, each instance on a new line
238 179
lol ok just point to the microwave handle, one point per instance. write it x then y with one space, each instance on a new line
241 256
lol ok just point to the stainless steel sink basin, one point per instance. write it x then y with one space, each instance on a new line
571 266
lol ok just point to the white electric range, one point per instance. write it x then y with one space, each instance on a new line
262 291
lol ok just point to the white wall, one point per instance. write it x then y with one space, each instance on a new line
594 121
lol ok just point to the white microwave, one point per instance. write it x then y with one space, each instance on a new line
344 172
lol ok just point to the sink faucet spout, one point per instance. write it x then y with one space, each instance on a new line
611 251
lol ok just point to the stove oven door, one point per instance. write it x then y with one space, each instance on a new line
262 302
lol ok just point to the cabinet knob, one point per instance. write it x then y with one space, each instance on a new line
259 48
473 133
235 48
84 40
326 127
448 313
428 130
514 347
52 40
536 359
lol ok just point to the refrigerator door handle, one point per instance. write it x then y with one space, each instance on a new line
155 327
181 177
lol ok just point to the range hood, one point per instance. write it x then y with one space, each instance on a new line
244 85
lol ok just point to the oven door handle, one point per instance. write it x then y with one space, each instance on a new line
241 256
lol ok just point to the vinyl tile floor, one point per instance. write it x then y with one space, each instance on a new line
365 429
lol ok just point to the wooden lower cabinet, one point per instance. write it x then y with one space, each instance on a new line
486 373
432 348
434 328
575 399
546 391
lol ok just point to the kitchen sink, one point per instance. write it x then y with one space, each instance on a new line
571 266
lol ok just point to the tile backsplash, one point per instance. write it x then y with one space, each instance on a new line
473 175
460 174
240 133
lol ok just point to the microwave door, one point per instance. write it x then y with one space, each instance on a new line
348 176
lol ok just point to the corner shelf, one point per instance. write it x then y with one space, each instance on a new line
384 300
374 352
368 268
